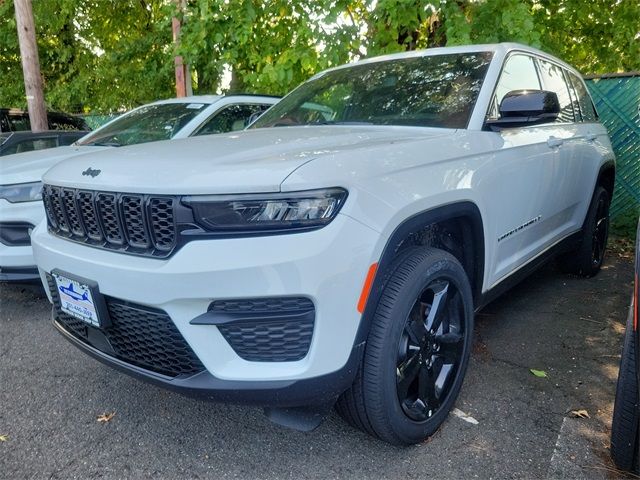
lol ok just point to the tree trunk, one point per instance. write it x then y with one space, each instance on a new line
237 82
30 65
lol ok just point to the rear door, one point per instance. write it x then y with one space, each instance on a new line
574 174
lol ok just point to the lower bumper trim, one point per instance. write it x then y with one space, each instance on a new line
19 274
321 390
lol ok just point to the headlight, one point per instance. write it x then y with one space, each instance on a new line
21 192
259 213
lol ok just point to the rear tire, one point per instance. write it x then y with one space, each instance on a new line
624 427
587 258
417 350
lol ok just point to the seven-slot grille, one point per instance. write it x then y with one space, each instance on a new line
138 224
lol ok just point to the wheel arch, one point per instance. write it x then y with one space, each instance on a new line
463 217
607 177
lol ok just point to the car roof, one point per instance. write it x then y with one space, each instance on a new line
499 48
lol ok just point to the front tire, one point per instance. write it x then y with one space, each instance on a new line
417 351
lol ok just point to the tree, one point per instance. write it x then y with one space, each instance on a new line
106 55
95 55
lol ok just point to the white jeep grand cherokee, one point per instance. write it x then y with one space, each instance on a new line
335 251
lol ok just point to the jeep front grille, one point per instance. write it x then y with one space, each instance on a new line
138 224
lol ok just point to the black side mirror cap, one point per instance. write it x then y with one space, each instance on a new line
526 107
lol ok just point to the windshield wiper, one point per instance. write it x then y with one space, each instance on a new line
102 144
334 122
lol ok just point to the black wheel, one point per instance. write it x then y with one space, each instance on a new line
587 258
417 350
624 428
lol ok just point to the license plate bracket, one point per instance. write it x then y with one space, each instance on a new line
81 298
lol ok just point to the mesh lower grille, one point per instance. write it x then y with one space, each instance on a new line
275 340
141 336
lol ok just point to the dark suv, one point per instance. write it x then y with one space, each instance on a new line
15 120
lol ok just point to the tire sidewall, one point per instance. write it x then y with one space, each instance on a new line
446 268
587 248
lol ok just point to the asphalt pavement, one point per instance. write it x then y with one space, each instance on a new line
52 395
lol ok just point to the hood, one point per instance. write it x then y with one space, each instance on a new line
29 166
244 162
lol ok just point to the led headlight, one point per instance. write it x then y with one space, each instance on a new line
257 213
21 192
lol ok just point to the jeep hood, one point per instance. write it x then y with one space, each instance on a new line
243 162
29 166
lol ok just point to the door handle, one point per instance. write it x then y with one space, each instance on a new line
591 137
554 142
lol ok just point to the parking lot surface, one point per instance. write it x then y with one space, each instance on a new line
51 396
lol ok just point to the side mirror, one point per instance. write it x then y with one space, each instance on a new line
526 107
253 117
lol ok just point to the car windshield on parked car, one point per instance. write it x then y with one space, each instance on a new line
150 123
425 91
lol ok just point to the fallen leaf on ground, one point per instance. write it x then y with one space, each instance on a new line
538 373
105 417
466 417
4 438
581 413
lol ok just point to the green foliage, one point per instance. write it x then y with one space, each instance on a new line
105 55
269 46
625 224
97 55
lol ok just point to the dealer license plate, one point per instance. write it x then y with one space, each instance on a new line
77 299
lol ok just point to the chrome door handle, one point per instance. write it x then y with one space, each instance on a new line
554 142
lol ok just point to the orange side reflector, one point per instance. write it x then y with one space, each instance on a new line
366 288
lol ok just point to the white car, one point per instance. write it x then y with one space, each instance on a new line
315 259
20 174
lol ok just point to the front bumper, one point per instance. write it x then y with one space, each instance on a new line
17 262
320 390
327 266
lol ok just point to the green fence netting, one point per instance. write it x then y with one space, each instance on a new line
617 98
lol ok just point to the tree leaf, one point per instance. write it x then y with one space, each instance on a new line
580 413
4 438
539 373
105 417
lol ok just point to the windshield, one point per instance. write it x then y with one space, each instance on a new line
4 137
428 91
146 124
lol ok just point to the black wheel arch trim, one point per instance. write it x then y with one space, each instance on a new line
605 168
459 210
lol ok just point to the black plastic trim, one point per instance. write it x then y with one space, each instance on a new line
512 280
15 234
19 274
321 390
466 210
226 318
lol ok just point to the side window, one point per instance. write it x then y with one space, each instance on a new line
32 144
574 97
519 73
230 119
19 122
553 80
4 123
584 99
